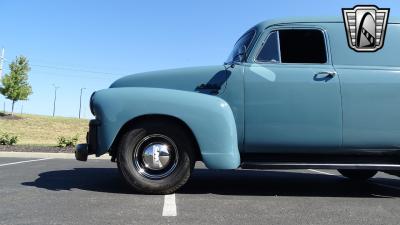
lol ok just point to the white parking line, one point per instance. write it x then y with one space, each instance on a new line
169 208
58 155
322 172
26 161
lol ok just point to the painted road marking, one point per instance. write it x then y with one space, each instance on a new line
169 208
26 161
58 155
322 172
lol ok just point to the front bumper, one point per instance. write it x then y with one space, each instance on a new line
83 150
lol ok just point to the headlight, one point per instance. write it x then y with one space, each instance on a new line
91 104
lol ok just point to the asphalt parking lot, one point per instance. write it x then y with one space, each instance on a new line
65 191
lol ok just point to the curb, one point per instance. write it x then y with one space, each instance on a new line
47 155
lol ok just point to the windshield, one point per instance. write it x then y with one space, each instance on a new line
245 40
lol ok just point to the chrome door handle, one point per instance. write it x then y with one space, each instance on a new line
324 74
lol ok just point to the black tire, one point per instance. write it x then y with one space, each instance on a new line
358 175
176 173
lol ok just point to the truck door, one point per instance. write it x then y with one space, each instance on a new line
292 94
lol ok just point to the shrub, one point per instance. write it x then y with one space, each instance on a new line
67 141
7 139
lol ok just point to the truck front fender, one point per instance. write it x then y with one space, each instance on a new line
209 117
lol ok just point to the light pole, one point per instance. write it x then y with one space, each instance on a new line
55 98
80 102
1 63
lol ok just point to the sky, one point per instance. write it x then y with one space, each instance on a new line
90 43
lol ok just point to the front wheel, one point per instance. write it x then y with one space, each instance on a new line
358 174
156 158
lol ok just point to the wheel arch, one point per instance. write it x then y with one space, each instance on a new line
155 117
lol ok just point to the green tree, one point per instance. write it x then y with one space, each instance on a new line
15 84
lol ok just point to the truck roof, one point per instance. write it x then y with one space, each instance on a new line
267 23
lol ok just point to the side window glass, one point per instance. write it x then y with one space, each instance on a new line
270 52
302 46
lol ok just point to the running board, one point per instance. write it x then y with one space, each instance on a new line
294 165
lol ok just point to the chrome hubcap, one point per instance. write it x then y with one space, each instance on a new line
155 156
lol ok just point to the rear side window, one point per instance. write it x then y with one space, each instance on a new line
302 46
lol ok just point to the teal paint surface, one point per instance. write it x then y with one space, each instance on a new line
286 108
210 118
271 108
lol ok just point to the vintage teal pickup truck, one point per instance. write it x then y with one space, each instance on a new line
292 94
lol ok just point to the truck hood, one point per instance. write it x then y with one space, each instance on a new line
206 79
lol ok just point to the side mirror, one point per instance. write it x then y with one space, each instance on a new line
242 54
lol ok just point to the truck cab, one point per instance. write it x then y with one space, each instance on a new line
292 94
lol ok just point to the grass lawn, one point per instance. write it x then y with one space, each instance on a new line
43 130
